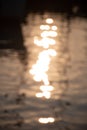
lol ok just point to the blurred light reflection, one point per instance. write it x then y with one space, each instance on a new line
45 91
48 34
45 94
49 20
44 27
54 28
44 42
41 67
46 120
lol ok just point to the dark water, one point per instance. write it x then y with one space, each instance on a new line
43 73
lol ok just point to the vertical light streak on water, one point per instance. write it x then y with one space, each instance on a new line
46 67
40 68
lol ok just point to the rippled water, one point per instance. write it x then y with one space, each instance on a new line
49 92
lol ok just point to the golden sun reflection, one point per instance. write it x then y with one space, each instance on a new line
49 34
49 20
54 27
46 120
45 91
44 42
41 67
44 27
40 70
45 94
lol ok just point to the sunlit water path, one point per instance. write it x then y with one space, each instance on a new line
53 85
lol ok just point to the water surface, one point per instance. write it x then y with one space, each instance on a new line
48 91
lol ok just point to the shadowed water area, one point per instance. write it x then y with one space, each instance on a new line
43 72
